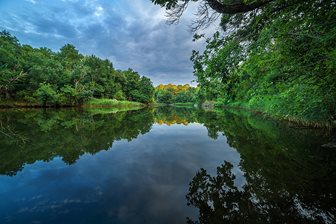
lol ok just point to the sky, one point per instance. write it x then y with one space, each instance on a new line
131 33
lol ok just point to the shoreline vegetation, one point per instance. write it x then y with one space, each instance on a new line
92 103
295 122
112 105
40 78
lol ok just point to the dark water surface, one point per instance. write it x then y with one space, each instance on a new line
168 165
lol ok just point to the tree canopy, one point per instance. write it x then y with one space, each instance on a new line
234 12
169 94
277 56
66 77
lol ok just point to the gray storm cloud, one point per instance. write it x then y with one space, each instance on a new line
131 33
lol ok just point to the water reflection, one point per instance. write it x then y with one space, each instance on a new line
75 166
43 135
289 177
219 200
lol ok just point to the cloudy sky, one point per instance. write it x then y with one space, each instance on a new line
131 33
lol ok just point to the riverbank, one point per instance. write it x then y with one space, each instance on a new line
92 103
295 121
106 103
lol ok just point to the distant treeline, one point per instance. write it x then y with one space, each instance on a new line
170 94
66 77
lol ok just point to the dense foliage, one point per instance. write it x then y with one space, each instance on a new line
277 57
170 94
285 67
65 77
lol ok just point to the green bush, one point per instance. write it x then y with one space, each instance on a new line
46 95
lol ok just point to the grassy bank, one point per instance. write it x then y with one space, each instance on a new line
92 103
271 112
109 110
110 103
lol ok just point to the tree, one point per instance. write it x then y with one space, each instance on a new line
11 71
64 78
273 56
100 75
146 89
166 97
171 93
46 94
209 10
130 83
69 54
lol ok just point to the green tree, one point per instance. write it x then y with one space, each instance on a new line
64 78
100 75
130 83
274 56
171 93
46 94
11 71
166 97
69 56
144 92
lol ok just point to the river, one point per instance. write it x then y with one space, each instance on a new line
163 165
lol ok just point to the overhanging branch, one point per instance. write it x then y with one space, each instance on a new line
235 8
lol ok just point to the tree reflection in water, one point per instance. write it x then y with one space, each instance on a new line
219 200
64 133
288 176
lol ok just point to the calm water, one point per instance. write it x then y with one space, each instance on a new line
166 165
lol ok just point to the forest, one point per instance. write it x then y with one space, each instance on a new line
39 76
243 132
277 57
176 94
